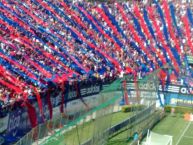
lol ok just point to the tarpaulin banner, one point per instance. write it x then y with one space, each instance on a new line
178 99
174 89
18 125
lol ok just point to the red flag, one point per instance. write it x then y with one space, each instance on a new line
39 101
31 114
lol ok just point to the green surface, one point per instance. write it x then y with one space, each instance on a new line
176 126
123 137
87 129
120 139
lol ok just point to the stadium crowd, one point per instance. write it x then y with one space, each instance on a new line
58 41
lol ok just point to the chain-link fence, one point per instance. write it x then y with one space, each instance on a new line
94 126
87 126
142 98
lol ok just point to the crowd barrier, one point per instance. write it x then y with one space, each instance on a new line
15 122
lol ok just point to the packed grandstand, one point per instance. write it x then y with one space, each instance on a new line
60 45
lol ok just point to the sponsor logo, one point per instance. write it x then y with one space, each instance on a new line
181 101
171 88
90 90
185 90
147 86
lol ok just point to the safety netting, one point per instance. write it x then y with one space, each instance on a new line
94 125
84 126
140 96
144 90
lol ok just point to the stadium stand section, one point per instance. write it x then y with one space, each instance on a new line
49 46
